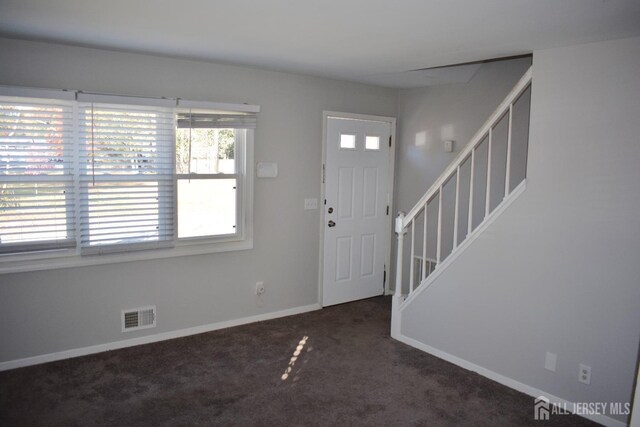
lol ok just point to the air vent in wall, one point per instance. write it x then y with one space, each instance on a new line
139 318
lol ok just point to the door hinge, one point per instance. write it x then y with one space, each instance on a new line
323 173
389 140
387 209
384 276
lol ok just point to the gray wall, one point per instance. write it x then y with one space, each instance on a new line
572 287
431 115
49 311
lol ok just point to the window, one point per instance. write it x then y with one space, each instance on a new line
36 184
347 142
102 174
126 177
210 147
372 143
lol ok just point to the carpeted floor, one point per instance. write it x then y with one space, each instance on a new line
333 367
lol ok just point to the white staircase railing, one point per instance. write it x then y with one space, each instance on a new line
486 164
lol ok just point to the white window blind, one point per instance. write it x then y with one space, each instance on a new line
195 120
95 173
127 182
36 175
211 115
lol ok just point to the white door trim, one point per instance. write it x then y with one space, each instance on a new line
392 163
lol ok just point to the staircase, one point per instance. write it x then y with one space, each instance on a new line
480 183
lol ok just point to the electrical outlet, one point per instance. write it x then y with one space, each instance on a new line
550 361
259 288
584 375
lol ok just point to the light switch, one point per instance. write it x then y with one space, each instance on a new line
310 204
448 146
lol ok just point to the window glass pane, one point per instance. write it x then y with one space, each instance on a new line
125 141
347 141
34 139
126 177
125 212
36 187
372 143
33 212
206 207
212 150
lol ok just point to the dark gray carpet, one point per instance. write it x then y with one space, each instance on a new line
347 371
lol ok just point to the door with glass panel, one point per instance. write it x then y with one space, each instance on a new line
355 218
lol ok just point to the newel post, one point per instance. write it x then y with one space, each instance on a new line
397 295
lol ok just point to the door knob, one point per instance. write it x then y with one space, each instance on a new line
332 224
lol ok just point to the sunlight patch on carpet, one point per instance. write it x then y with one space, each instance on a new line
294 358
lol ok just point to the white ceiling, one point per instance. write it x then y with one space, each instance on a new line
371 41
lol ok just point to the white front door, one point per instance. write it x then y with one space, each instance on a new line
356 222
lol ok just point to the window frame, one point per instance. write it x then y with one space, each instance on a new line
15 262
241 152
66 178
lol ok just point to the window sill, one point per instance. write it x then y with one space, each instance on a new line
66 259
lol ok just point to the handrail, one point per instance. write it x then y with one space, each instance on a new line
407 224
461 157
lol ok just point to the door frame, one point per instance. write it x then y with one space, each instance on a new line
392 157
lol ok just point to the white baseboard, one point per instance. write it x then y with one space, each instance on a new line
67 354
506 381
